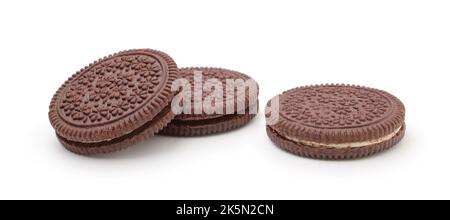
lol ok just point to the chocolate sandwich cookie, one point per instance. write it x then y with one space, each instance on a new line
336 121
240 105
115 102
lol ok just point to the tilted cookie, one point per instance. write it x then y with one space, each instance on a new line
115 102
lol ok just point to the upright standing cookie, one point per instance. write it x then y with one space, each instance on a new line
115 102
197 124
337 121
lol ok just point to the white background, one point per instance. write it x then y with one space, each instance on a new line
399 46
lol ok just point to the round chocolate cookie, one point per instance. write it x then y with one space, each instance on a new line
115 102
336 121
198 123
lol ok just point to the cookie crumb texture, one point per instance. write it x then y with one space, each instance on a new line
112 98
336 114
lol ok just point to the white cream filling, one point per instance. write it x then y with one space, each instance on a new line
346 145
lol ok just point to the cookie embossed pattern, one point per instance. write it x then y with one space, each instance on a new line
115 88
115 102
235 108
337 121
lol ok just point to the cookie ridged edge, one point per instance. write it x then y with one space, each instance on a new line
213 69
150 131
114 130
342 135
207 129
332 153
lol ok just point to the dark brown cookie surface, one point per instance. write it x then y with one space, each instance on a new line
206 127
114 97
205 124
337 118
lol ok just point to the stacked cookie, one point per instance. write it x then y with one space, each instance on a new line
128 97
